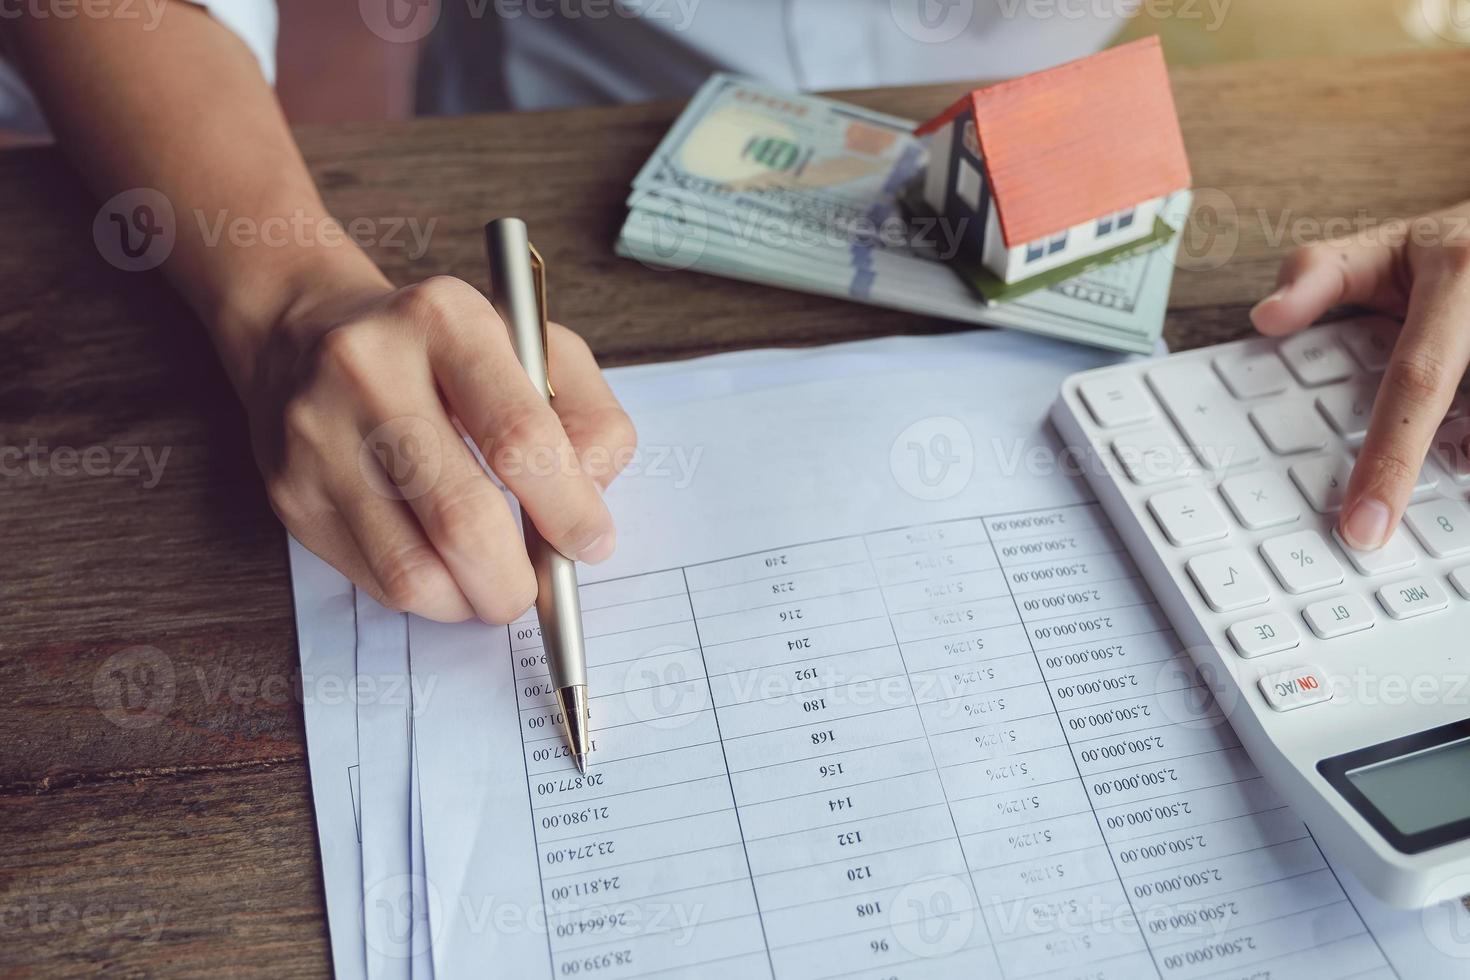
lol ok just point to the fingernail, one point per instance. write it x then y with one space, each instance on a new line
1366 525
1275 297
600 550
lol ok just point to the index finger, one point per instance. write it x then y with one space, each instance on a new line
594 420
516 429
1418 384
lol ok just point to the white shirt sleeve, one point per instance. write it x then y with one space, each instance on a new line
253 21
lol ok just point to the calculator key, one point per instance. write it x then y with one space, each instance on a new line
1296 688
1417 596
1116 399
1151 455
1442 526
1206 415
1316 358
1371 340
1460 579
1253 375
1348 407
1302 562
1395 556
1289 427
1264 634
1228 579
1323 481
1261 499
1338 616
1188 516
1451 449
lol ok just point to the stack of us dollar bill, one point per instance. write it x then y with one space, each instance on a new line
799 191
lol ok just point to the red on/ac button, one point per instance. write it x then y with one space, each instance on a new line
1294 688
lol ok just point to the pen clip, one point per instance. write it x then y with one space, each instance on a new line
538 270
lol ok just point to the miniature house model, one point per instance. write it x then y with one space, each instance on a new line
1059 170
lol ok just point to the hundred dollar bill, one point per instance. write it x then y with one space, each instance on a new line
805 193
943 296
1120 306
741 144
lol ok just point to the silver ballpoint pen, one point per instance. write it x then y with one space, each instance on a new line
518 293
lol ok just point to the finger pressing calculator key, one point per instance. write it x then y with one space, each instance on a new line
1225 478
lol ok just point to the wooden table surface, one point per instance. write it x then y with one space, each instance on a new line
155 811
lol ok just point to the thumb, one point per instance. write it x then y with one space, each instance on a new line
1315 278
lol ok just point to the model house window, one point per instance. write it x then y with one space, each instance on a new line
1125 218
1104 225
967 184
1057 244
1035 251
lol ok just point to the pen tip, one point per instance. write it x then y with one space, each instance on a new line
572 701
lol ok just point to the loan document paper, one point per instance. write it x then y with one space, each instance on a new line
877 692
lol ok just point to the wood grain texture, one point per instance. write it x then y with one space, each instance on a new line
153 756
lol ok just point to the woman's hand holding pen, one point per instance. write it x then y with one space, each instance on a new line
352 401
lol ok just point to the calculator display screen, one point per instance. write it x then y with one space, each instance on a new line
1422 790
1413 790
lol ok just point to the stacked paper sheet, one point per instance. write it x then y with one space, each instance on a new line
838 728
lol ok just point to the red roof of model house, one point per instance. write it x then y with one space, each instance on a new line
1072 143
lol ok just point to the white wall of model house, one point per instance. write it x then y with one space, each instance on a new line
1088 238
1033 258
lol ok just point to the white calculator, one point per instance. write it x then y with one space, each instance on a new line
1344 673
